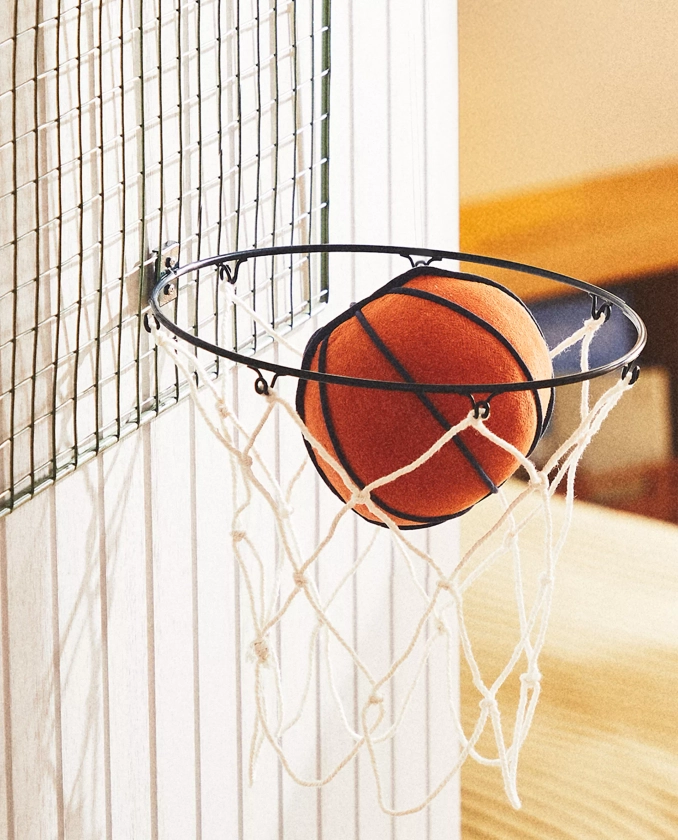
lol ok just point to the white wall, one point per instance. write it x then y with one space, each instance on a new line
123 660
562 90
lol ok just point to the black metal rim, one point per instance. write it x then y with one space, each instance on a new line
602 301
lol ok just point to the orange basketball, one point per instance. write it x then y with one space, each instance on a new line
427 326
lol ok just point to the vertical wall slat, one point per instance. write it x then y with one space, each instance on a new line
394 178
34 704
263 811
339 799
174 624
80 653
443 741
217 635
338 803
301 804
124 506
6 789
410 756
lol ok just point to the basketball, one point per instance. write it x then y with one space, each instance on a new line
426 326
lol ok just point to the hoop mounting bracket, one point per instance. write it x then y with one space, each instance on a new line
166 266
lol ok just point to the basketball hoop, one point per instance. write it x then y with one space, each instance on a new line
278 572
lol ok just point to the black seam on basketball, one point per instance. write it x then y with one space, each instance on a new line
396 282
341 455
423 398
422 271
411 274
481 322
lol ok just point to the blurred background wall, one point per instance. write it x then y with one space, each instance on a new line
569 161
563 90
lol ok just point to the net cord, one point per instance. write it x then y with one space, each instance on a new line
252 476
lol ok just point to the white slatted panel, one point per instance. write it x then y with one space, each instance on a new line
218 637
81 651
125 486
32 688
127 686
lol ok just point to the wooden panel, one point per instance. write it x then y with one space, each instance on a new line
35 702
443 739
217 641
78 575
174 624
410 748
604 231
126 495
6 805
269 781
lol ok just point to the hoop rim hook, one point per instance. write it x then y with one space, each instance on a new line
147 322
634 370
481 407
261 385
599 309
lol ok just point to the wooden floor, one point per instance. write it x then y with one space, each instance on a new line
601 760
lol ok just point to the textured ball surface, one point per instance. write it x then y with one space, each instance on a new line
428 326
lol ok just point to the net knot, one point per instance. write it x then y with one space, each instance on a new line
246 461
540 480
361 497
223 410
440 627
531 678
512 534
488 703
375 699
300 579
546 579
261 651
445 584
238 536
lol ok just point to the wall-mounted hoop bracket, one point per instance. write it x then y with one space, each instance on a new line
165 273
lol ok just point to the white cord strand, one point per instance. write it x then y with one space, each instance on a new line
280 583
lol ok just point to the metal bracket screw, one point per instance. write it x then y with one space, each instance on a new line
169 262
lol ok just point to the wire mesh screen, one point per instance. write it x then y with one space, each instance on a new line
125 126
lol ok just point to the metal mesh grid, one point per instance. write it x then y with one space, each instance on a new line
124 126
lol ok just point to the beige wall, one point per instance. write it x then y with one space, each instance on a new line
560 90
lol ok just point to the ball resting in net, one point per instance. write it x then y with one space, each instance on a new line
280 577
426 325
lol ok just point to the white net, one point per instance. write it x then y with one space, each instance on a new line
280 552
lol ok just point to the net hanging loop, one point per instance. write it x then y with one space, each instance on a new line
481 408
282 582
